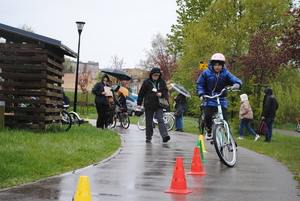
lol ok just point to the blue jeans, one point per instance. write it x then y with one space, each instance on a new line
246 122
269 121
178 121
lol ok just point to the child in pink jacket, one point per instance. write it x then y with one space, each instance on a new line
245 116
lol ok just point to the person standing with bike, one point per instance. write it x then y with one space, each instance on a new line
211 82
270 106
101 101
153 88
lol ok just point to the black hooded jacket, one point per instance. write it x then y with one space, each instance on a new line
270 104
98 89
147 94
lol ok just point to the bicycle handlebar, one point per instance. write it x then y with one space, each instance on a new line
218 95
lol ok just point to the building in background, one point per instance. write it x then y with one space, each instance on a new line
90 66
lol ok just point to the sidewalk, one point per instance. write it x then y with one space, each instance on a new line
141 171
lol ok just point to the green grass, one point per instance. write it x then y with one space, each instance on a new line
29 156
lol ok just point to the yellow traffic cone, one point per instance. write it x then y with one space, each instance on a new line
83 190
202 143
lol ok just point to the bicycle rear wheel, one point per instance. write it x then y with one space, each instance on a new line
75 119
169 121
66 120
125 120
224 145
141 123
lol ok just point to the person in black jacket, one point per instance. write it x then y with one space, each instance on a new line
101 101
179 104
270 106
153 88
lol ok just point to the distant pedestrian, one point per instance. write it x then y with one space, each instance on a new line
180 107
101 101
270 106
245 115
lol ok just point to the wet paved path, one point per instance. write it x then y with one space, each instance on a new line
140 171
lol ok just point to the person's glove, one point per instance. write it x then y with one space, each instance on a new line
235 87
201 98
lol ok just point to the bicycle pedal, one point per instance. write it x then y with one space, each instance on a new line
211 142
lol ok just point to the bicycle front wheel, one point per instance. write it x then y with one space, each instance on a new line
169 121
66 120
224 145
114 121
141 123
125 120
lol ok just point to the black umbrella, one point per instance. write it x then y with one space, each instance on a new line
117 73
181 89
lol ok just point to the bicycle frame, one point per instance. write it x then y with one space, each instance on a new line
223 140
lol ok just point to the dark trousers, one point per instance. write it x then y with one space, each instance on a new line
269 121
149 119
209 111
102 117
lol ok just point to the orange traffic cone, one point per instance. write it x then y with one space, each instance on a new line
178 184
197 167
83 190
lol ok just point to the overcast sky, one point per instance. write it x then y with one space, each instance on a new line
113 27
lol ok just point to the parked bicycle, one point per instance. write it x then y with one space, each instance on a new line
298 125
70 118
223 139
168 118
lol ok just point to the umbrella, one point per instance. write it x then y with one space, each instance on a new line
181 89
117 73
124 91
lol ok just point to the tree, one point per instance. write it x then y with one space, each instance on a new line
189 11
25 27
160 56
290 40
116 62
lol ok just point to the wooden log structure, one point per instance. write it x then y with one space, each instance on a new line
31 74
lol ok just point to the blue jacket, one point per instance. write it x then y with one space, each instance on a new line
210 84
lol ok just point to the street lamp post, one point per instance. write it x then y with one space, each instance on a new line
79 27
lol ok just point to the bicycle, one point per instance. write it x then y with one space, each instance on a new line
298 125
122 117
115 114
70 118
66 119
168 118
223 139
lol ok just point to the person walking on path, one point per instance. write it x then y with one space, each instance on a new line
270 106
180 107
101 101
211 82
153 88
245 115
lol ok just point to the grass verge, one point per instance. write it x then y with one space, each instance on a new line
29 156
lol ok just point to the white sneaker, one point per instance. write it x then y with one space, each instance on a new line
240 138
256 137
208 136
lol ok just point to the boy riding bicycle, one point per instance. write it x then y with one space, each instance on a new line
211 82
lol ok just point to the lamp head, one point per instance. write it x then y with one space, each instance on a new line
80 26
